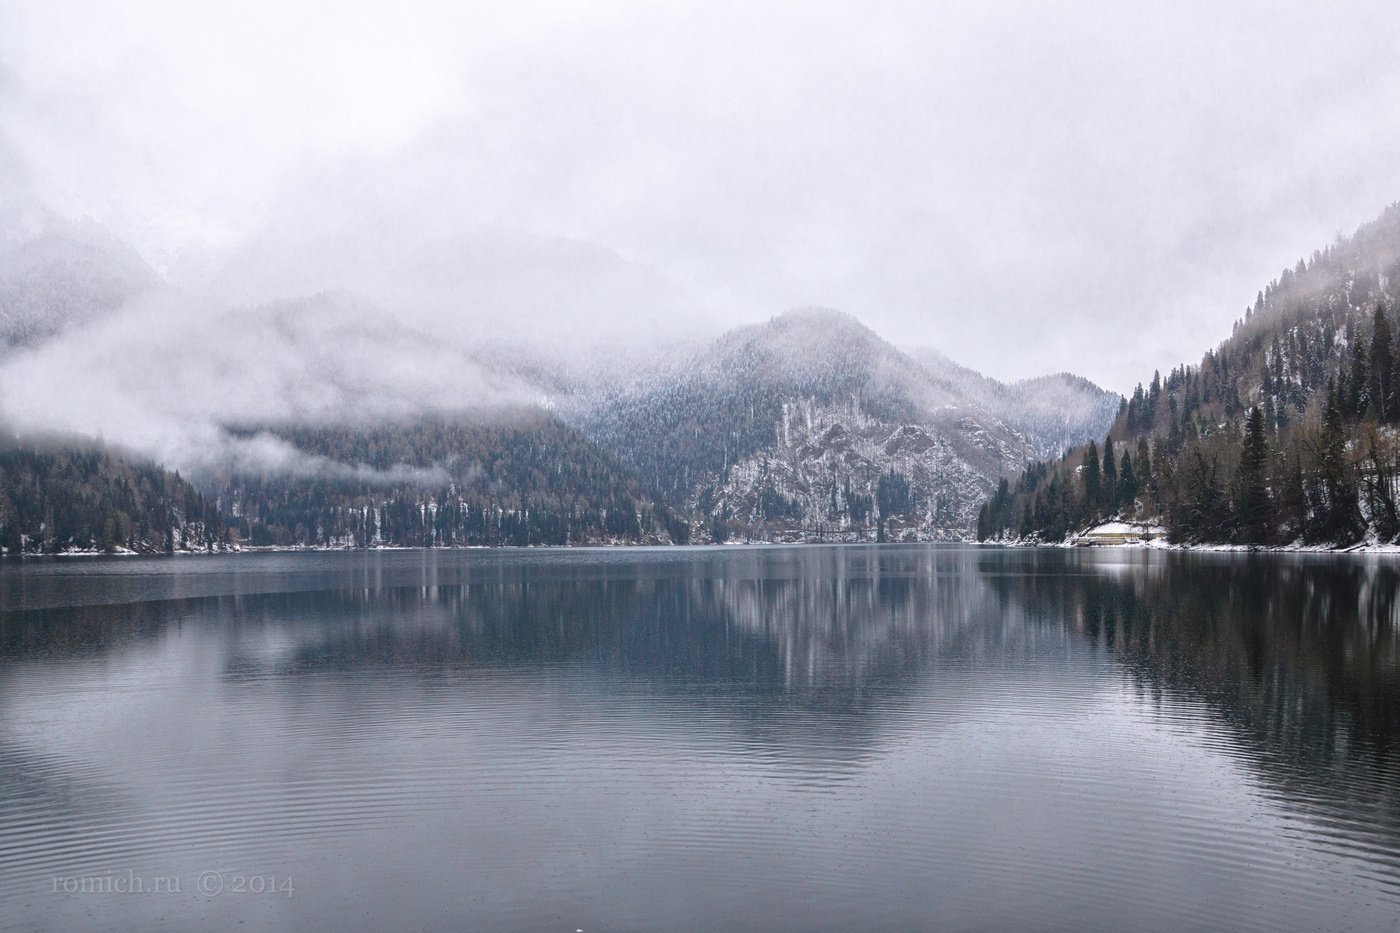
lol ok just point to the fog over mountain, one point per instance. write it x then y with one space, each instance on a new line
362 324
468 282
1103 191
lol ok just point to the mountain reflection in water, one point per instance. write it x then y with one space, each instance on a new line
811 737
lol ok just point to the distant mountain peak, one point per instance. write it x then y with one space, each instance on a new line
807 346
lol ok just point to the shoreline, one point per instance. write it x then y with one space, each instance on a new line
1364 548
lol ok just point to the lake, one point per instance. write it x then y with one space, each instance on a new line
784 738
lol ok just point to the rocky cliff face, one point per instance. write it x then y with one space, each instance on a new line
835 475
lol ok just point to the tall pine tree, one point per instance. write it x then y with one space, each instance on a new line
1093 489
1127 483
1110 477
1381 369
1251 484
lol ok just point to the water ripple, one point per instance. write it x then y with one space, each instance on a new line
789 739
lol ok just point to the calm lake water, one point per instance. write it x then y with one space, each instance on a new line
805 738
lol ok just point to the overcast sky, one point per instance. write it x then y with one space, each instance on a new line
1098 187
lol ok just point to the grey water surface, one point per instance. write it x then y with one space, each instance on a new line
780 738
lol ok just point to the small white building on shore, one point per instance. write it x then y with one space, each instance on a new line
1119 533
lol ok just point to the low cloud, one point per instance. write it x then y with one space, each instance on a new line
264 452
164 377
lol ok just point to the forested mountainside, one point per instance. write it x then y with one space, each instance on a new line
811 427
1287 432
516 478
78 496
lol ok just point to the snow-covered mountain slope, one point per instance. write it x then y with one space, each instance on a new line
1053 412
812 426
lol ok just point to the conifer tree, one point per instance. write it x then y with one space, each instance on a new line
1093 492
1381 369
1127 483
1252 492
1110 477
1142 465
1357 389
